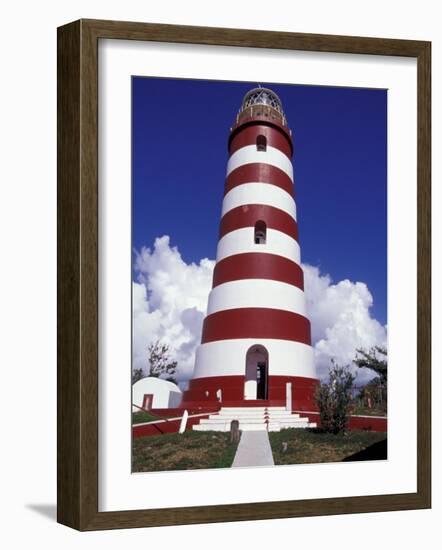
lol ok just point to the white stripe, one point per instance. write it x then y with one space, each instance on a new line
228 358
257 293
242 241
249 154
259 193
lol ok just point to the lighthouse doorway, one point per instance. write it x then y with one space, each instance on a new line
256 379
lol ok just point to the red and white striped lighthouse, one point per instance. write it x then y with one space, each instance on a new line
256 344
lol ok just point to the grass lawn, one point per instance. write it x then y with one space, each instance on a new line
188 451
365 411
312 446
142 416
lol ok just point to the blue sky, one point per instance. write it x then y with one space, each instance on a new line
180 131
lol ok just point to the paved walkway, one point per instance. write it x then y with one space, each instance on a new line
253 450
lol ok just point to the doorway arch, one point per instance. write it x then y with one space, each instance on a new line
257 369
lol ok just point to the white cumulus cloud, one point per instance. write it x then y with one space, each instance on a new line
341 321
170 302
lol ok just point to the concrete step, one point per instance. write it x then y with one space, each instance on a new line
239 415
283 414
222 427
262 416
235 409
242 421
253 418
248 412
252 427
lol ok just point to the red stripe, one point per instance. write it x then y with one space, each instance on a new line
260 173
248 135
255 322
214 382
247 215
202 390
258 265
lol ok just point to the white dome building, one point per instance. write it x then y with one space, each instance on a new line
155 393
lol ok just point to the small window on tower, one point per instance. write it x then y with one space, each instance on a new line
261 143
260 232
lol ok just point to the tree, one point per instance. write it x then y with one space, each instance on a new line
137 374
334 399
374 359
160 361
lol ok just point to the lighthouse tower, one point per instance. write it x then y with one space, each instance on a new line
256 343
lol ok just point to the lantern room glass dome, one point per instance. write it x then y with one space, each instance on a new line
262 96
261 102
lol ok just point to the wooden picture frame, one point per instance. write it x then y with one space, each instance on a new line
78 274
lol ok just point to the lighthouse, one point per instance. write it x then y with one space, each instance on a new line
256 340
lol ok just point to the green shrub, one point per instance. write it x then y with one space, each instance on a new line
334 399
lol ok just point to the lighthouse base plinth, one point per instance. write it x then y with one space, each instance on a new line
229 391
